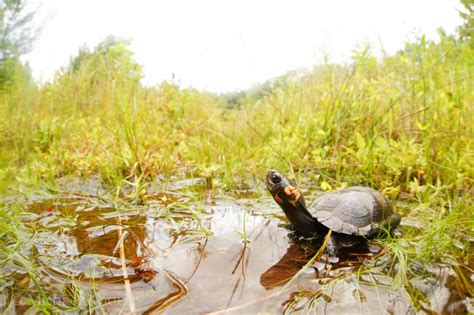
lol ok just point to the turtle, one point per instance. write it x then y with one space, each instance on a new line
353 214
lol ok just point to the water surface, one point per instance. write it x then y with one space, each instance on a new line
229 256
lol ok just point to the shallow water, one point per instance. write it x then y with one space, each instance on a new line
232 256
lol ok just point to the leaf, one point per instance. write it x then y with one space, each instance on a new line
325 185
381 142
360 142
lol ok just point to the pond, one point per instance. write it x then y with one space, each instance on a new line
224 255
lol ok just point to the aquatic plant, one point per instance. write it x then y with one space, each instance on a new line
401 123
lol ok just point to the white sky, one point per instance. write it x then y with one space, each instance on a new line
224 45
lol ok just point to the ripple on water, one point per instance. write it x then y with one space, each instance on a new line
171 263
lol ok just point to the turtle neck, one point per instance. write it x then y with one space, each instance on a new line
302 221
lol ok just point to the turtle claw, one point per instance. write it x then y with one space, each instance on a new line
396 232
329 255
319 266
330 259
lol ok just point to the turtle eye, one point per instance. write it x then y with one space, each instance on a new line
276 179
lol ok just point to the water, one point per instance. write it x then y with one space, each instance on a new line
232 256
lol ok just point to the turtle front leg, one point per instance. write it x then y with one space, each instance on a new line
330 252
393 225
328 256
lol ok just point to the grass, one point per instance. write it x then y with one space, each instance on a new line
402 124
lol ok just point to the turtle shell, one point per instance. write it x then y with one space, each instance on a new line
354 211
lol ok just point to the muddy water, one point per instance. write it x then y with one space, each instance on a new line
235 256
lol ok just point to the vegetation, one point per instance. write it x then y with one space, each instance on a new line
466 31
402 124
17 34
396 124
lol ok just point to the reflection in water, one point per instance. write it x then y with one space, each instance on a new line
296 257
300 252
171 263
330 288
87 249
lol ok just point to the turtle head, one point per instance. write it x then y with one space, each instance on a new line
291 201
282 191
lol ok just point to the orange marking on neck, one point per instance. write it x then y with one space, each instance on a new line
293 194
290 190
277 198
297 197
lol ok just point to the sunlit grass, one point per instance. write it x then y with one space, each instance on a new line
402 125
381 124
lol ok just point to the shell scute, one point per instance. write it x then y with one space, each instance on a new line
353 211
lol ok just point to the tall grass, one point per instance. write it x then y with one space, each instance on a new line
383 123
403 124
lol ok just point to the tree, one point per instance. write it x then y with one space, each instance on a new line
16 28
17 34
102 76
466 31
110 60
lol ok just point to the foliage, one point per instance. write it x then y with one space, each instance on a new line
466 31
105 77
16 30
17 34
14 75
381 123
403 124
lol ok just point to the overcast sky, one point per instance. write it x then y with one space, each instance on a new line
224 45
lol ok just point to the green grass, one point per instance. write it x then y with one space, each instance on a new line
403 124
380 123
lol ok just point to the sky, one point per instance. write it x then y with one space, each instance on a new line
228 45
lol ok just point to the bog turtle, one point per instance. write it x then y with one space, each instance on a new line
353 213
